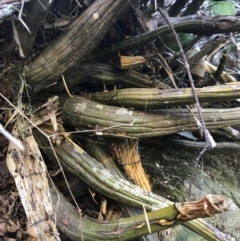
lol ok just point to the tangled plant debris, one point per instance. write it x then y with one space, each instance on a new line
83 84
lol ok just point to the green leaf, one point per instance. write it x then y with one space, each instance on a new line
222 8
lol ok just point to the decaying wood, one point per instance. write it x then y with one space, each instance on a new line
30 174
189 145
34 13
80 164
207 207
64 56
126 153
127 62
224 77
76 161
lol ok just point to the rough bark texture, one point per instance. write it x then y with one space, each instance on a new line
30 174
73 46
100 119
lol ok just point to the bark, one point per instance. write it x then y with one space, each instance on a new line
64 57
73 46
80 227
112 121
30 174
198 56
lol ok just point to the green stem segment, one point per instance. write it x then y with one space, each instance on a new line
101 119
202 26
148 98
77 226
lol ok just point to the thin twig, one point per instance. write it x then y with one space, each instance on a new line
16 38
168 70
210 143
79 5
42 5
11 138
194 168
65 85
20 18
155 5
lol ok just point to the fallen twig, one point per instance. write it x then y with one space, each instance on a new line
11 138
210 143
